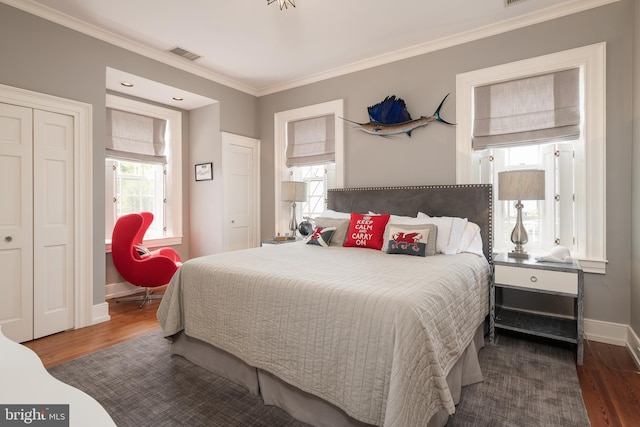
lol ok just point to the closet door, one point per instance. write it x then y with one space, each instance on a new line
53 295
241 159
16 219
36 223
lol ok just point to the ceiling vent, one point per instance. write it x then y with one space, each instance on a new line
186 54
511 2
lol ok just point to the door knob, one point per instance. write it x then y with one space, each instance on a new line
233 221
8 239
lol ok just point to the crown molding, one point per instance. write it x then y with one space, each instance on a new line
167 58
532 18
552 12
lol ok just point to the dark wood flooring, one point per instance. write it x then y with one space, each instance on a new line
609 378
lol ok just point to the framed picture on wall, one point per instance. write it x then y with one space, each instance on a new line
204 171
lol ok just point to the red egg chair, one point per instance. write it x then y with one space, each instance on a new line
136 264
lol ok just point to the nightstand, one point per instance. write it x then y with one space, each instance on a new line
278 242
563 279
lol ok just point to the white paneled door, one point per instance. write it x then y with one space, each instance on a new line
16 231
241 157
36 222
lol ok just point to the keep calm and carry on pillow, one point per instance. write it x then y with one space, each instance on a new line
366 231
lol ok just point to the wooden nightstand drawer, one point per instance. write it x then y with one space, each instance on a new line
552 281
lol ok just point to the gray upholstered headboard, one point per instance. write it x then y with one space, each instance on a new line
471 201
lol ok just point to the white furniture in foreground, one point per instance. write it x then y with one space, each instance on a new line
26 382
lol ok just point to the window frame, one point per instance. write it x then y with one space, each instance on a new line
336 108
173 179
590 179
491 161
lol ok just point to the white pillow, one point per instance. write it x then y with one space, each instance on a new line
450 231
471 241
329 213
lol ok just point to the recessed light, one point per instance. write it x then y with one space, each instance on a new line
178 98
126 84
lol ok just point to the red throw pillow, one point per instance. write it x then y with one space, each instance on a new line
366 231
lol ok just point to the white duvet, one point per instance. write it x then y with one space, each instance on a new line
374 334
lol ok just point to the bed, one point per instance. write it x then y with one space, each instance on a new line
344 335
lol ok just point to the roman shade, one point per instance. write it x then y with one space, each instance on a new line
311 141
533 110
135 137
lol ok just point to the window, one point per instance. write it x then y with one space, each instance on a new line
548 222
577 220
144 176
317 179
320 173
139 187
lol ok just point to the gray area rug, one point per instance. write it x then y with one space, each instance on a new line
526 383
140 384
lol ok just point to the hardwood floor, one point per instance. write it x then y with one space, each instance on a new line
610 384
609 378
127 322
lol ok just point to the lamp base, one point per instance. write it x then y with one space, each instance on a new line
519 236
293 222
522 255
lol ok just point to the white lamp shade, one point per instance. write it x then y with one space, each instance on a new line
294 191
521 185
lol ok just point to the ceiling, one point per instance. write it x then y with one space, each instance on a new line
261 49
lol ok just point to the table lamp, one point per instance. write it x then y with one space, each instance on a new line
520 185
293 191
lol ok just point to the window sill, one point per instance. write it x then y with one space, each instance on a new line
595 266
152 243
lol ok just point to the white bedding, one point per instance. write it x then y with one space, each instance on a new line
372 333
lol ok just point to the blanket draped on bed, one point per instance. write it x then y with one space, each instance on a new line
374 334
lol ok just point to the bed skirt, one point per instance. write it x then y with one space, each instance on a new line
304 406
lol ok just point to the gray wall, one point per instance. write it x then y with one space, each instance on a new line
44 57
41 56
635 245
205 207
428 157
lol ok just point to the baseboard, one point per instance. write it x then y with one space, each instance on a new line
606 332
118 290
634 345
100 313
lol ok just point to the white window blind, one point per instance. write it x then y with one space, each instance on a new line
311 141
135 137
532 110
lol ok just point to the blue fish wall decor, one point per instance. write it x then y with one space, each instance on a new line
391 117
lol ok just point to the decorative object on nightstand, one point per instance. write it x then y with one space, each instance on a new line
556 254
306 226
520 185
278 239
292 192
552 278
